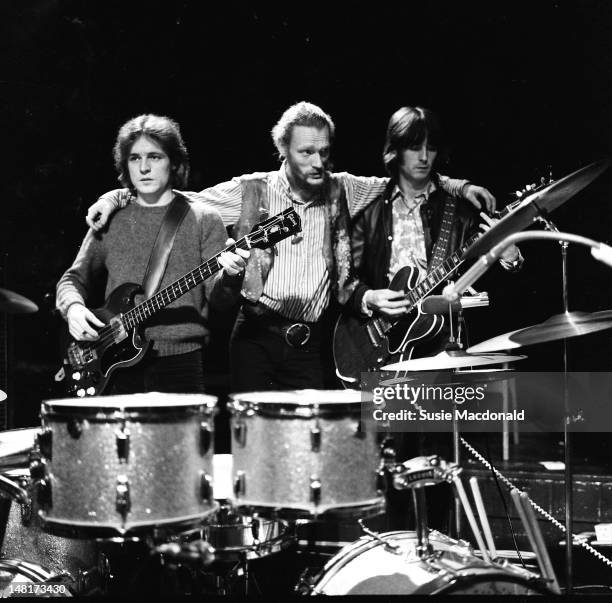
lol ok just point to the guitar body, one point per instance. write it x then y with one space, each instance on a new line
88 366
363 344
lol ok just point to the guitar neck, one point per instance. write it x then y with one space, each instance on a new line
439 274
138 314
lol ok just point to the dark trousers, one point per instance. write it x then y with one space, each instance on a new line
261 359
182 373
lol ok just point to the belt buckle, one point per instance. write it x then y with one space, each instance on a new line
297 335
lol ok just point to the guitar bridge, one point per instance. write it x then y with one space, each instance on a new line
79 356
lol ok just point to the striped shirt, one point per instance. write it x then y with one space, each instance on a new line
298 284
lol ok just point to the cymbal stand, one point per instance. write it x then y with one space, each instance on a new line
567 418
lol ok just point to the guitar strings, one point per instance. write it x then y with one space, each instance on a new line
110 332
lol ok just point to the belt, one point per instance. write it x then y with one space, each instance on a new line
295 333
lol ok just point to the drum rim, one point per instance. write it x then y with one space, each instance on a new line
117 414
294 410
132 402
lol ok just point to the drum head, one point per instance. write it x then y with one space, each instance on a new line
15 446
306 402
148 403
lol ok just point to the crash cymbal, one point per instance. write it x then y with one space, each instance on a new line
13 303
450 360
545 200
464 376
559 326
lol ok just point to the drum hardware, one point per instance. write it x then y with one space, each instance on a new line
315 437
240 433
45 443
205 437
122 437
240 484
206 487
122 497
315 490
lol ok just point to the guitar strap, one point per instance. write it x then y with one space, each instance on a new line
163 245
441 247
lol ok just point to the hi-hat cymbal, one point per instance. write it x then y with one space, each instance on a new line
544 200
13 303
450 360
559 326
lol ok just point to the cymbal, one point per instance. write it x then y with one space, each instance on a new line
559 326
13 303
548 199
450 360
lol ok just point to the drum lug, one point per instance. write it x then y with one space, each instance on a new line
315 490
255 528
206 489
360 431
43 494
38 469
75 428
45 443
381 481
122 495
315 438
240 433
388 454
240 483
26 513
122 437
205 437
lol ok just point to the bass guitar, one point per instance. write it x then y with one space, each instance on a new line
363 344
88 365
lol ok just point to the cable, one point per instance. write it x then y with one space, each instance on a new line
537 507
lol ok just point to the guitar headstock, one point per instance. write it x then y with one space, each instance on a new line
269 232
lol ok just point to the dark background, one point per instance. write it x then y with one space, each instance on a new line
520 86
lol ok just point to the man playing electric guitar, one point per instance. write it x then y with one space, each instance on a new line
151 160
402 228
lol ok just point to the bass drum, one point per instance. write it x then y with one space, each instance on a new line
389 565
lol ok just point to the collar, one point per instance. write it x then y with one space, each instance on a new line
423 196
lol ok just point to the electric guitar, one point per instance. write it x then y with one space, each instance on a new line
88 365
363 344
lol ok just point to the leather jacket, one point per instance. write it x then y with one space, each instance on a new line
372 237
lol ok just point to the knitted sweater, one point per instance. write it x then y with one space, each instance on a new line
121 254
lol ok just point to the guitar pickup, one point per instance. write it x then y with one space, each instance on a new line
117 329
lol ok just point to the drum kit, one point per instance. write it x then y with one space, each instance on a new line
104 487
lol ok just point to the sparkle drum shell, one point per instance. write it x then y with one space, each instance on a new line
24 538
390 565
118 464
305 452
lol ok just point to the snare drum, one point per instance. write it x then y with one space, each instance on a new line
24 538
389 565
304 451
118 464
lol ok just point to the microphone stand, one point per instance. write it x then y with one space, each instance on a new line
599 251
567 418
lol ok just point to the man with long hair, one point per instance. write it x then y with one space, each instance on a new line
151 160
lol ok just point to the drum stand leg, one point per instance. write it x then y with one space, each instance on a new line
457 460
420 511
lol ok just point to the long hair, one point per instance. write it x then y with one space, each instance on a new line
408 127
300 114
163 131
